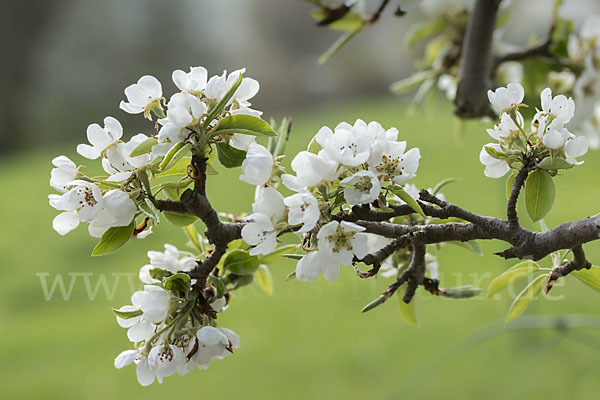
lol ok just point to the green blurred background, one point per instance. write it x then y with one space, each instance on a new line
307 340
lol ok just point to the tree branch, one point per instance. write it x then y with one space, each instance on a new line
541 50
578 262
471 95
196 203
511 205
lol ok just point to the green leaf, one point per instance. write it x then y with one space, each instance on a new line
528 294
523 264
229 156
177 169
425 88
277 254
590 277
435 48
113 239
246 124
127 314
338 44
218 284
408 311
277 144
240 262
461 292
263 277
348 22
408 199
144 147
412 82
192 234
290 276
173 189
158 273
210 170
293 256
549 163
509 184
178 282
539 194
214 111
375 303
238 281
148 209
498 155
175 154
510 276
471 245
180 219
424 30
443 183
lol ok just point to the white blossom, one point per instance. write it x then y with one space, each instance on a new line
269 202
365 188
153 301
314 263
214 344
555 139
389 161
100 138
506 126
506 97
494 168
171 260
183 109
310 170
165 360
83 203
117 210
64 173
141 94
340 242
510 72
447 83
258 165
145 374
118 162
303 209
192 81
259 230
125 358
563 81
344 145
219 85
575 147
559 110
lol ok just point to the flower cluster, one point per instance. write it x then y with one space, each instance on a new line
171 326
548 143
115 200
84 201
348 166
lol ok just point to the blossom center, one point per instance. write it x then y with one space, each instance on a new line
364 184
341 239
87 197
390 165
